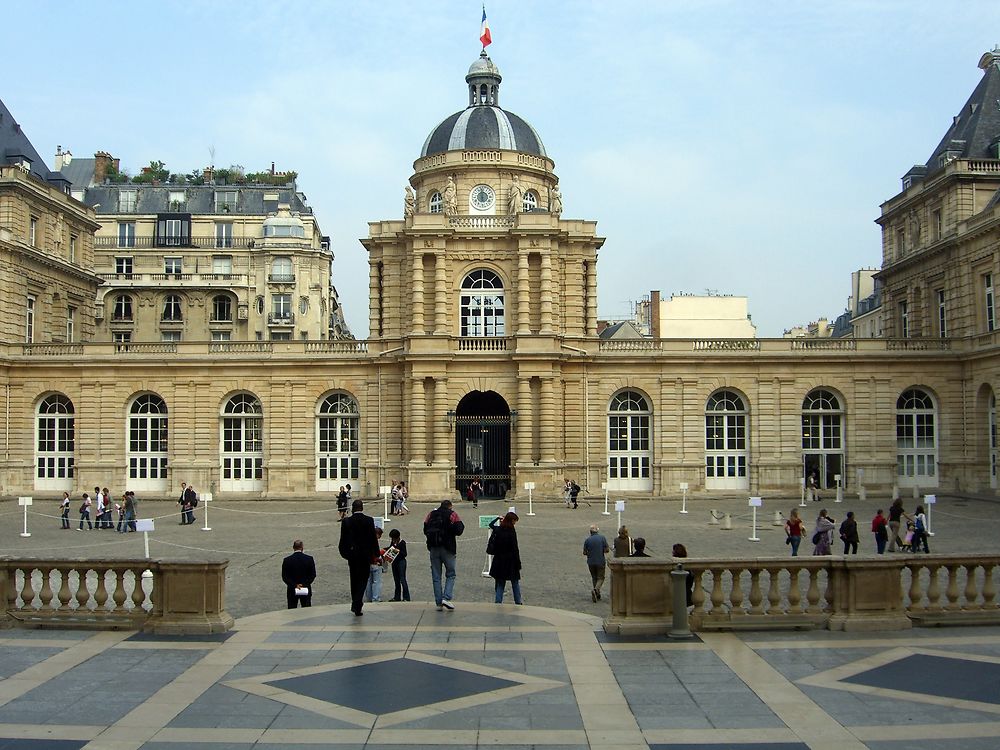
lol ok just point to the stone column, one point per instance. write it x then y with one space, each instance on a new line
523 296
417 296
547 421
418 421
525 421
546 292
591 297
440 295
374 297
440 421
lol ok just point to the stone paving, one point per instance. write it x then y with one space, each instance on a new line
406 675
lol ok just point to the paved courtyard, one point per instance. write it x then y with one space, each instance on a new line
543 675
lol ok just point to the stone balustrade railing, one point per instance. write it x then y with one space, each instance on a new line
889 592
177 597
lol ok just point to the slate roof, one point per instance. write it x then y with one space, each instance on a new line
483 127
977 125
199 199
80 172
15 147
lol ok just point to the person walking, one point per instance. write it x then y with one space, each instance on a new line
849 534
896 514
85 512
506 564
919 531
793 531
180 501
595 547
359 546
574 493
823 534
623 543
441 526
298 571
64 510
401 590
880 529
342 504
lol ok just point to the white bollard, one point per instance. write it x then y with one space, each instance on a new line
916 494
862 494
24 502
778 520
840 489
713 517
755 502
802 492
727 522
895 492
684 500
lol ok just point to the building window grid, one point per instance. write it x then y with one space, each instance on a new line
222 309
338 439
916 441
436 203
942 315
127 200
242 440
904 320
124 265
29 318
629 437
33 231
482 312
726 437
173 265
70 324
171 309
223 234
126 234
991 321
148 438
72 248
56 439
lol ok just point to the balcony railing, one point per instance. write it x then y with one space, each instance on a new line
481 222
281 278
281 319
483 344
154 241
182 279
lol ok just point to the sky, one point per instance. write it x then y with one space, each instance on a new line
740 147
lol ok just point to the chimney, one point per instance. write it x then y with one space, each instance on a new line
102 160
272 167
654 314
58 164
208 173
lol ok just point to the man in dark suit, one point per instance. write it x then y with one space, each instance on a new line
359 546
298 570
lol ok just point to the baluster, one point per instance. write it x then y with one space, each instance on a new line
934 588
971 590
119 595
138 595
82 592
756 596
11 603
717 594
64 593
736 593
794 592
45 595
812 595
773 592
916 595
989 588
952 590
27 592
101 595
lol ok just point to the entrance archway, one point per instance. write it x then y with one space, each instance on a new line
482 443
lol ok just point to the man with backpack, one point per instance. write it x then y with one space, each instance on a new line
441 526
574 491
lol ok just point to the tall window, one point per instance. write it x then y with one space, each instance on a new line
173 265
171 308
904 320
223 234
55 444
436 203
482 305
173 230
225 200
123 308
991 318
281 270
222 309
942 315
530 201
33 231
281 306
338 451
242 452
147 442
726 442
628 442
938 224
123 265
126 234
222 264
900 242
70 324
822 437
177 200
72 248
29 318
127 200
916 440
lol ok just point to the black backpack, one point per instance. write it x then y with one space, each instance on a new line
434 528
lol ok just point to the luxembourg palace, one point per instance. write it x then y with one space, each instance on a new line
159 333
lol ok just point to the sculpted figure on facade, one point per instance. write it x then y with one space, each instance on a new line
515 199
451 196
409 202
914 229
555 201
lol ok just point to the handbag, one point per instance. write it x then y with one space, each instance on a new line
491 544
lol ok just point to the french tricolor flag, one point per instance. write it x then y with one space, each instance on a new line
484 34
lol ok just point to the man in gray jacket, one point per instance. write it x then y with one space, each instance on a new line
595 547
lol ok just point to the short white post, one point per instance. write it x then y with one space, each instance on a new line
684 497
930 500
604 486
206 497
145 525
24 502
840 489
778 520
619 508
802 492
862 495
529 486
727 522
895 492
713 517
484 523
916 493
384 491
755 502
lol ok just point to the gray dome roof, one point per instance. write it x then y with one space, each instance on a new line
483 128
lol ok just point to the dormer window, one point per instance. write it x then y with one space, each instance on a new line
435 203
225 201
177 199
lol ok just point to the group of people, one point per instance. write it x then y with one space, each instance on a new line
571 491
399 496
104 508
885 531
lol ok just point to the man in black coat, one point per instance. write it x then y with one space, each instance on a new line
359 546
298 570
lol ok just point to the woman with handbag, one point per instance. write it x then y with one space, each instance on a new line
506 564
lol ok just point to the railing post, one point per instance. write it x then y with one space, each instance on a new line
640 596
6 590
866 595
678 582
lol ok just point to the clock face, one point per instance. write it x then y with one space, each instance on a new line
482 197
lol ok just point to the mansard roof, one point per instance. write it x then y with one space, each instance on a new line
975 130
15 148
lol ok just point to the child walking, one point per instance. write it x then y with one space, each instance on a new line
400 587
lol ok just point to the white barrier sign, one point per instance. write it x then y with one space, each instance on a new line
529 485
930 499
144 524
619 506
24 501
684 485
756 502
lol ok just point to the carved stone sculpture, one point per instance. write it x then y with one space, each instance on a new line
451 197
515 198
555 201
409 202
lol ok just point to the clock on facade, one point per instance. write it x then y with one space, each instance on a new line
482 197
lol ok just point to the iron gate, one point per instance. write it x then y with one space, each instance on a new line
482 450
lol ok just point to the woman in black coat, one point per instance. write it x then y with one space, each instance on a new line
506 564
849 534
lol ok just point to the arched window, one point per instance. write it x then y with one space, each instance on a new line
242 444
482 305
338 451
281 270
530 201
628 442
123 308
222 309
436 202
916 439
822 437
726 452
171 308
147 443
55 444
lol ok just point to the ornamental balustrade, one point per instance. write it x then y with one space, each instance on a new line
482 344
481 222
887 592
175 597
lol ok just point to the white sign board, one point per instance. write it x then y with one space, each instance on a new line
144 524
384 490
529 485
619 506
205 497
511 509
379 522
756 502
684 485
930 499
24 501
836 477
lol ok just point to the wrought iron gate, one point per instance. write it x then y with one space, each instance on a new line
482 450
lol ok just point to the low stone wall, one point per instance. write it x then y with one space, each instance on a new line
155 596
888 592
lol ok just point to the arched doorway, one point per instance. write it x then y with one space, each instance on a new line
482 443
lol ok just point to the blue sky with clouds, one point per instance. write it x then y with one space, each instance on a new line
742 147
